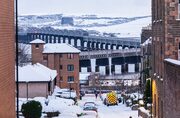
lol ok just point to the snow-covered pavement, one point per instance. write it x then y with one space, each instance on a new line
118 111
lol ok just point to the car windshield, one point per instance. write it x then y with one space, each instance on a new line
90 104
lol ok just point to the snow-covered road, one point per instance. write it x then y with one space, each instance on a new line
118 111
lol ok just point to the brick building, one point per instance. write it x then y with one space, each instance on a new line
146 33
145 61
62 57
36 80
7 64
165 44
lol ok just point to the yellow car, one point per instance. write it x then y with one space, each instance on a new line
111 99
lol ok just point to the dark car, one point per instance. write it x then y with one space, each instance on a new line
90 106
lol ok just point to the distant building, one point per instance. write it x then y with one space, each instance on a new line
145 62
62 57
36 80
67 21
7 59
165 55
84 82
146 33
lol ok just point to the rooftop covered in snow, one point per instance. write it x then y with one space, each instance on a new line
60 48
148 41
36 73
173 61
37 41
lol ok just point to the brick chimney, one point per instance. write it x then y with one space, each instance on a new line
37 47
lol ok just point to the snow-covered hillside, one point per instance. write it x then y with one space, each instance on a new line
118 26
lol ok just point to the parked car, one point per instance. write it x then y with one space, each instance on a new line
111 99
90 106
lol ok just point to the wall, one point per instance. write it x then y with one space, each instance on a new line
34 90
172 91
7 59
165 42
37 56
64 61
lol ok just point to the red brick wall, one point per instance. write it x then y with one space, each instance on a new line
64 61
172 91
37 56
7 64
166 38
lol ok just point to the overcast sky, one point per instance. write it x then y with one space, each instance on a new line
86 7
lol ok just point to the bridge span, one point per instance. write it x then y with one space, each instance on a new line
83 42
111 61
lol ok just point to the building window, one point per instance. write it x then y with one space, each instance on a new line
70 79
61 67
70 67
61 79
45 57
37 45
60 55
70 56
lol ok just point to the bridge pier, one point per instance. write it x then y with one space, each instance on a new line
102 46
59 39
93 65
93 45
107 46
97 46
89 45
82 44
110 63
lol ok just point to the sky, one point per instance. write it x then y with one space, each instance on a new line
115 8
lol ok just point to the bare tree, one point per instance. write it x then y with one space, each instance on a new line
24 54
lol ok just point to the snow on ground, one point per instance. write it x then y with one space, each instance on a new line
129 29
68 110
109 112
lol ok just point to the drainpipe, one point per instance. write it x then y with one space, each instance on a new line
17 79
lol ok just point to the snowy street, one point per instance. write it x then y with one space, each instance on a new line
68 109
120 111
